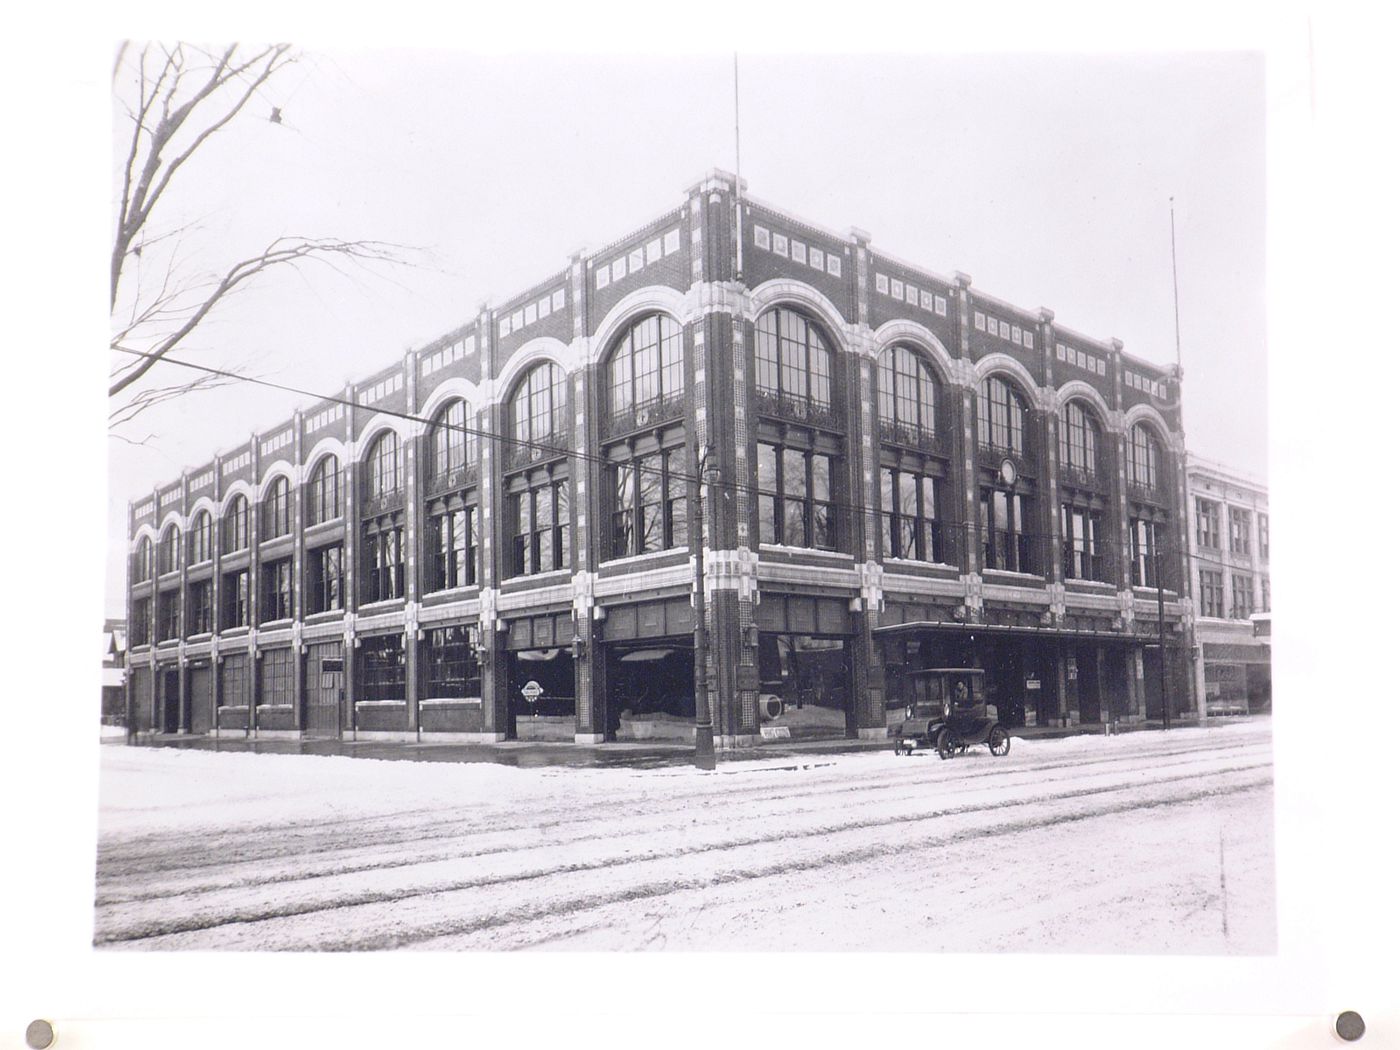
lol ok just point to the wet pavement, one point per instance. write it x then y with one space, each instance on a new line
531 754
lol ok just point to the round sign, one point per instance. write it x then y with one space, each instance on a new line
532 690
1008 473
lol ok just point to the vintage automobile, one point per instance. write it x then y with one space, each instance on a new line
948 711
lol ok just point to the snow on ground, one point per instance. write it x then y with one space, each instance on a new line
1145 842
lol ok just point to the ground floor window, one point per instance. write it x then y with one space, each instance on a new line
453 538
1007 527
276 591
796 497
541 683
909 503
326 578
804 684
450 662
235 600
382 667
233 681
276 676
651 689
1083 543
383 560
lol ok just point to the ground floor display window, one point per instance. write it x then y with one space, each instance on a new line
651 690
541 691
449 663
805 684
382 668
234 688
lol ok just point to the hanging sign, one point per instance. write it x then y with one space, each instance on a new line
532 690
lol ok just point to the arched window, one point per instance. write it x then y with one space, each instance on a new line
235 533
1079 438
141 566
539 406
451 446
1001 417
382 476
323 492
277 510
1144 455
168 556
908 392
201 538
646 379
794 361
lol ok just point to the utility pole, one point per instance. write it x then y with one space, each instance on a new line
704 729
1161 630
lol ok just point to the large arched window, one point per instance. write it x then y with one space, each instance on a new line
323 492
1144 457
1079 438
646 377
277 510
539 406
235 531
382 475
141 565
1001 417
201 538
794 361
908 394
452 447
168 555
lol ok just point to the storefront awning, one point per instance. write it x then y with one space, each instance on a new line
915 626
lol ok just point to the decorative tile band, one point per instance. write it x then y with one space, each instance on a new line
654 250
457 350
1080 359
1012 333
327 415
276 442
797 251
532 312
237 462
1152 387
382 389
911 294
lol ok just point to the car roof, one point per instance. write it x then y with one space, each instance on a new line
948 670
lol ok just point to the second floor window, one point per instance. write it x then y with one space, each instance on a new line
1264 594
909 503
276 591
1001 417
796 497
1208 524
451 546
1083 543
382 476
1007 543
1241 596
168 614
1239 531
538 518
325 579
277 510
235 531
141 621
1144 539
1264 538
1079 439
793 360
383 561
201 538
233 590
1212 594
323 492
649 503
201 609
646 371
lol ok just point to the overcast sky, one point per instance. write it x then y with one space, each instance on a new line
1045 177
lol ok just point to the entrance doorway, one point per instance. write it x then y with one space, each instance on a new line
201 698
541 691
651 690
170 701
325 687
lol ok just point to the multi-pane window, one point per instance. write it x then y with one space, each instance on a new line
796 497
140 621
233 681
382 475
201 538
908 392
141 561
909 503
793 360
277 510
382 667
1079 439
646 370
1264 594
1239 531
168 616
451 665
649 503
539 526
1007 542
1144 457
1001 417
383 561
1083 543
1264 539
1241 596
276 601
1212 594
275 674
235 530
453 538
233 593
1144 539
539 407
323 492
168 554
200 607
451 446
325 578
1208 524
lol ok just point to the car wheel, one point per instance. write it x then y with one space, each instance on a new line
945 744
998 741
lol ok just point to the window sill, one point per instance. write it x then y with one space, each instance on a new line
1102 585
381 703
443 701
454 592
275 625
383 605
642 559
1007 574
552 576
202 636
908 562
1151 592
822 552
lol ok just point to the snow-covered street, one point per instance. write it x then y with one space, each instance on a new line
1147 842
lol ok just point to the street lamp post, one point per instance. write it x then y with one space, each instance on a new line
1161 631
704 729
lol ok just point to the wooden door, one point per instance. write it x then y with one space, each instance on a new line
201 698
325 686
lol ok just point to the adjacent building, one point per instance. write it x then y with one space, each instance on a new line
113 672
1230 573
882 468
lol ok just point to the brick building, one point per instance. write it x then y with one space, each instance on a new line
490 537
1230 573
